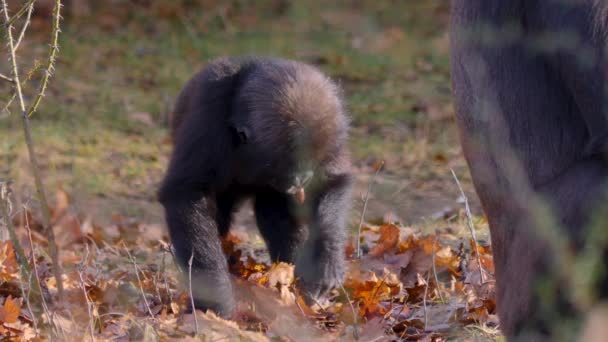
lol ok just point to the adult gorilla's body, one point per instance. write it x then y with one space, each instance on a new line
529 79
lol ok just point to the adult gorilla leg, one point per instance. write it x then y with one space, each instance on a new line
194 233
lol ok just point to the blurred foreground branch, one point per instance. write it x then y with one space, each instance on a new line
46 214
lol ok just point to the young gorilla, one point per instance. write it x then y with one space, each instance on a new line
529 81
264 128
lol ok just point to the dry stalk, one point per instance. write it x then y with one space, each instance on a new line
163 271
369 188
26 297
6 216
435 271
19 13
27 131
6 78
141 286
470 225
25 25
36 278
86 296
190 289
426 312
352 307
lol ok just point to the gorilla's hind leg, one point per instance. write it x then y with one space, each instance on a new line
194 234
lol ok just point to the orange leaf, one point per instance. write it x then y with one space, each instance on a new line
62 203
8 262
9 312
389 237
481 250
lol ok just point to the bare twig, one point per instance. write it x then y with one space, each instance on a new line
163 271
9 103
141 287
46 213
86 295
26 297
6 78
426 312
352 307
190 289
45 306
301 310
435 270
470 225
19 13
369 188
25 25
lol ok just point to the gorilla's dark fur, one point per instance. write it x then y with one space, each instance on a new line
529 80
255 128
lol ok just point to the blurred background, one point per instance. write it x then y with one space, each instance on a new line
102 133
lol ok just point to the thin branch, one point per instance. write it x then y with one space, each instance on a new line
25 25
26 298
191 296
19 14
369 188
141 287
426 312
86 295
46 213
352 307
6 78
470 225
50 63
163 271
45 306
435 270
9 103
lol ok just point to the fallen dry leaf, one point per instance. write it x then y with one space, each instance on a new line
389 237
9 312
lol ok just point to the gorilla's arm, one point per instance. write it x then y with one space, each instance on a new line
320 262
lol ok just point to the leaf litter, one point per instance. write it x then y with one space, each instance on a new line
408 286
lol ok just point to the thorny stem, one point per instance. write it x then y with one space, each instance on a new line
19 13
369 188
28 136
50 63
470 225
25 25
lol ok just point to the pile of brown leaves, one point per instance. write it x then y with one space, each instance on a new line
121 283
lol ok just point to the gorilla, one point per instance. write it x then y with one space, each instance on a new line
272 130
529 82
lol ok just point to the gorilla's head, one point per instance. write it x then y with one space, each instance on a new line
287 122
